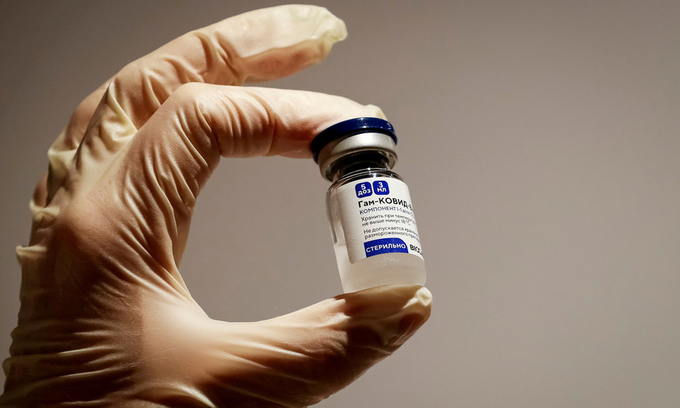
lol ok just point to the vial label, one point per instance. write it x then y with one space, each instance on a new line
377 217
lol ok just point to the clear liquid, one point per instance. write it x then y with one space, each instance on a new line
377 270
385 269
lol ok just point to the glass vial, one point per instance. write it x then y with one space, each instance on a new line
369 206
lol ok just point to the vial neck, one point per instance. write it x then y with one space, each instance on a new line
358 161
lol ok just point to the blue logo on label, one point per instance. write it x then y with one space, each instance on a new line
389 245
363 189
380 187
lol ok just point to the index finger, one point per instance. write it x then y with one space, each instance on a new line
264 44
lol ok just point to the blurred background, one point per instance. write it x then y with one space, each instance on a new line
541 143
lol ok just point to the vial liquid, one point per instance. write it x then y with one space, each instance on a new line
369 206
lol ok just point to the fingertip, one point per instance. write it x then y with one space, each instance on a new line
424 296
334 28
340 32
376 111
278 41
420 312
386 300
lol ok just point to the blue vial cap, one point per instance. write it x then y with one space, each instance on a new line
349 128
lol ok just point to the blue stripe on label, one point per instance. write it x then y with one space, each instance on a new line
388 245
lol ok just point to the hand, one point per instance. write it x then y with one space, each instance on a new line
106 319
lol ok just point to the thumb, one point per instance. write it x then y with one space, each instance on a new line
293 360
161 172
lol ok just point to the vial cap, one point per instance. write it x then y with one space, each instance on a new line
349 128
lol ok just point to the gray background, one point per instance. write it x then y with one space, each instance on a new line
541 142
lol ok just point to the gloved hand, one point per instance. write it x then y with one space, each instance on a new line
106 319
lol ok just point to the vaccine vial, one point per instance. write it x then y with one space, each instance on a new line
369 206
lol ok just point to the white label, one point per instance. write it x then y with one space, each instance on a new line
377 217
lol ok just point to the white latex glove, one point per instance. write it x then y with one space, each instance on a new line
106 319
